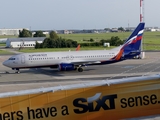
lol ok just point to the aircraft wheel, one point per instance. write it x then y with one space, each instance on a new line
17 72
80 69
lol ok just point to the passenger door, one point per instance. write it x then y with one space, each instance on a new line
22 59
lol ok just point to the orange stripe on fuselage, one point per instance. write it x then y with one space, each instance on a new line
119 55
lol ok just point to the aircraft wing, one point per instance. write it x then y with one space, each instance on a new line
84 63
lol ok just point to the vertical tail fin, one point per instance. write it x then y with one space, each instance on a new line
138 31
133 43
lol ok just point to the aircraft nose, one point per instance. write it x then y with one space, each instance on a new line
5 63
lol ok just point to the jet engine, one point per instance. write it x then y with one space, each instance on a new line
66 67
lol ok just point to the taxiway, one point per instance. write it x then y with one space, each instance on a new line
46 77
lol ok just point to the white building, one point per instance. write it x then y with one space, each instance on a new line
10 31
106 44
3 40
154 29
67 32
23 42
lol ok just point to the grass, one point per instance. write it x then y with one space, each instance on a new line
149 37
151 40
2 44
96 37
8 36
4 52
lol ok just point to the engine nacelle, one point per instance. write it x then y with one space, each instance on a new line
66 67
132 55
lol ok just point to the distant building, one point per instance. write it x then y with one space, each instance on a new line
3 40
23 42
106 44
67 32
10 31
130 29
114 30
152 29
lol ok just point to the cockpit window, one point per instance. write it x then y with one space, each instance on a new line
11 58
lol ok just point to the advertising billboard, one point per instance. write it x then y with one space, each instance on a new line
113 102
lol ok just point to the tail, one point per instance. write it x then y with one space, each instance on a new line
132 45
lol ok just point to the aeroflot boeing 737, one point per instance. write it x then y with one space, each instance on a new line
72 60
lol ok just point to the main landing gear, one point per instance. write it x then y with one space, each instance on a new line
80 69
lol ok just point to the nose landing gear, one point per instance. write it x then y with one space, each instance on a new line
16 70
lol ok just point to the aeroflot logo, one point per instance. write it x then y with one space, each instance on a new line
94 103
38 55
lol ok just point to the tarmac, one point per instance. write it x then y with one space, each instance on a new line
46 77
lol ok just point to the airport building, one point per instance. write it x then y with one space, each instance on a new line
23 42
10 31
3 40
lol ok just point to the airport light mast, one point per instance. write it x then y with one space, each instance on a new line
141 10
142 20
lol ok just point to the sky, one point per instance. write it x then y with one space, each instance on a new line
76 14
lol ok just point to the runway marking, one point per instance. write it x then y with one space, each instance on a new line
101 76
127 66
153 61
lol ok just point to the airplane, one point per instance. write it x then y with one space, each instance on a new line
77 60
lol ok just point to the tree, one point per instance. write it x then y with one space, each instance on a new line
53 35
69 43
39 34
38 45
47 43
121 29
74 43
63 43
25 33
115 41
107 29
91 40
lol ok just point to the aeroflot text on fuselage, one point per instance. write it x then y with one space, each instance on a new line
38 55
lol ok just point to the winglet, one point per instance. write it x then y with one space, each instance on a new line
78 48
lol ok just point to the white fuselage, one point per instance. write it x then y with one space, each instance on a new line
43 59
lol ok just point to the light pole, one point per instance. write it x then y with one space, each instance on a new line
142 20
